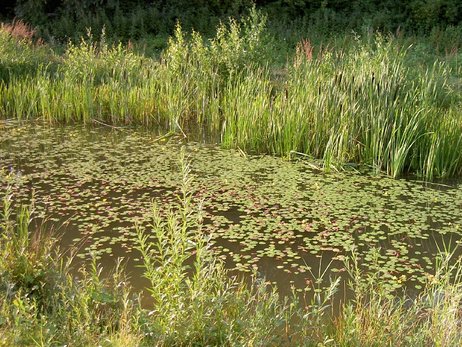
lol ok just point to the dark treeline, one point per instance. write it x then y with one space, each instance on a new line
132 19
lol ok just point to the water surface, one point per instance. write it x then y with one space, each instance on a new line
284 220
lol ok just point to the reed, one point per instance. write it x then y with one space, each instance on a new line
375 100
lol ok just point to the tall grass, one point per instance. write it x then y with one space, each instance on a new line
374 100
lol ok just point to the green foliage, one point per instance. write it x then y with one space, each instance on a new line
124 19
97 62
32 11
133 19
428 14
234 47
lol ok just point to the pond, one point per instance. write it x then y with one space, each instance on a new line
286 220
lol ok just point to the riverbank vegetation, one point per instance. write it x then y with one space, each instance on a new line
45 300
387 102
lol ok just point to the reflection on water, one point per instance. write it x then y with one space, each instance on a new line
268 215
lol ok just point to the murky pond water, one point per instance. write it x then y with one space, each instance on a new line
282 218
